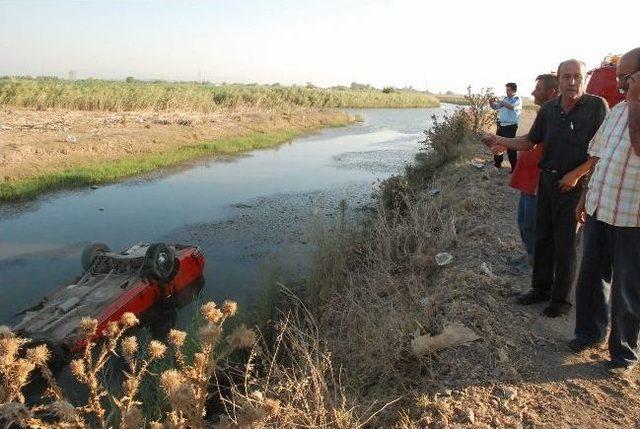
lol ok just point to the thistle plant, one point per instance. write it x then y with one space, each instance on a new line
186 386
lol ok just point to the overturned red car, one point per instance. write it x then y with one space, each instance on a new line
133 280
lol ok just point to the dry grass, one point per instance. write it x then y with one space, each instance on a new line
369 283
377 286
291 383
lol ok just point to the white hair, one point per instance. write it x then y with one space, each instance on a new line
582 65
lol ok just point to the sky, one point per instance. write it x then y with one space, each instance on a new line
440 46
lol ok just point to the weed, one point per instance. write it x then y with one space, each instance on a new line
93 94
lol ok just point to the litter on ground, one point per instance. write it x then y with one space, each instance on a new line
453 335
444 258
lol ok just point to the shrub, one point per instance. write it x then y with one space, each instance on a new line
446 135
479 114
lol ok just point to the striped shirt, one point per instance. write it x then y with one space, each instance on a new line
614 189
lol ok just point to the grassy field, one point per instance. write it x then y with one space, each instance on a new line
91 94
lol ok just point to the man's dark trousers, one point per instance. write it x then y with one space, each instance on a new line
510 132
611 253
555 238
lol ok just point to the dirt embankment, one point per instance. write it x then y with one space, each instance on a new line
518 374
36 142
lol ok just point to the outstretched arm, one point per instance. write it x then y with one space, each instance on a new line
515 143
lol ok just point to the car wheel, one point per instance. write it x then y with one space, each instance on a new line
160 261
90 252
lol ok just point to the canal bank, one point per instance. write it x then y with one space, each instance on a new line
250 213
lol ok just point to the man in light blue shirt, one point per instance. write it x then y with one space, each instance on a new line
509 109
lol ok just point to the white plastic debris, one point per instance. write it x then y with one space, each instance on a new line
477 163
444 258
486 268
71 139
452 335
424 301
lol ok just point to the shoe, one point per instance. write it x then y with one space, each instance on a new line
532 297
557 309
619 369
577 346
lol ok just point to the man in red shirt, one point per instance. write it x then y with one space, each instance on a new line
526 174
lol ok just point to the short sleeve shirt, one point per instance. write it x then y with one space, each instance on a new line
566 136
510 116
614 189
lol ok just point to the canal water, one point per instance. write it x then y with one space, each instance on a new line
250 214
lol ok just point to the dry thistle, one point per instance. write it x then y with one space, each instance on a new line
129 320
78 369
209 334
211 313
88 326
176 338
242 337
39 355
156 349
9 346
129 347
171 380
229 308
21 370
112 330
272 406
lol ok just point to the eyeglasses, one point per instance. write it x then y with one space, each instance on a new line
624 77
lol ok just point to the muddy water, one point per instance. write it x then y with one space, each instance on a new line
250 214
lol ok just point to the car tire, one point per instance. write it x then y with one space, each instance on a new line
160 262
90 252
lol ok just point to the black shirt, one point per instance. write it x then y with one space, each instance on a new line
566 136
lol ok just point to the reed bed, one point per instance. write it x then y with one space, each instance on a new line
92 94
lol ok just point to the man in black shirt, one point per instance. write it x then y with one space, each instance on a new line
565 126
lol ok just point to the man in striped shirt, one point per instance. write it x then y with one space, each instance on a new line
610 210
